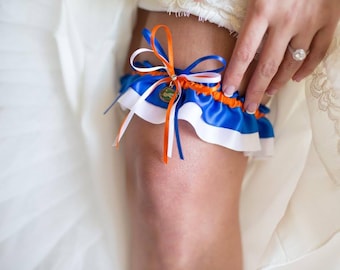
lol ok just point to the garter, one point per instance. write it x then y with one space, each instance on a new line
165 94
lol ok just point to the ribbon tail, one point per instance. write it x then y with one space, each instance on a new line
170 124
112 104
170 131
178 138
123 128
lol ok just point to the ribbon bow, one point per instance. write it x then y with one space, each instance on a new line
175 78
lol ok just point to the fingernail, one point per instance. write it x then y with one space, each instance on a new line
251 108
271 92
229 91
297 78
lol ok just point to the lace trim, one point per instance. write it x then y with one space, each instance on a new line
327 97
228 14
322 89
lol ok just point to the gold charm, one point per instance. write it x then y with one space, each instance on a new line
166 94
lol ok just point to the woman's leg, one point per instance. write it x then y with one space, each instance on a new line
184 215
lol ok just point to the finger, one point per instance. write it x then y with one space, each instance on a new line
318 50
268 64
289 65
248 41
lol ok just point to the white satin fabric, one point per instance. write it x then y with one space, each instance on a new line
61 183
62 203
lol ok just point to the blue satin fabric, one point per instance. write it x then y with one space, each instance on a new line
214 112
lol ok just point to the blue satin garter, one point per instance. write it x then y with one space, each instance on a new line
163 95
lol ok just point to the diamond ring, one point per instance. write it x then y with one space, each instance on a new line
298 54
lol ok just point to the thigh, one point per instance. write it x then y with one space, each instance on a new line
187 206
191 39
205 166
186 209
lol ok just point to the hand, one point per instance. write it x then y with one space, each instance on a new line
302 24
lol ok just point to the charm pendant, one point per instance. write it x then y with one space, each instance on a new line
166 94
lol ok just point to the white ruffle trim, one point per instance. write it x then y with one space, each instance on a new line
250 144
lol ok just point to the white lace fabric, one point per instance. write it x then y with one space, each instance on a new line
228 14
323 95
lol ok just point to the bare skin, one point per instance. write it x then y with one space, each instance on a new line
184 215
